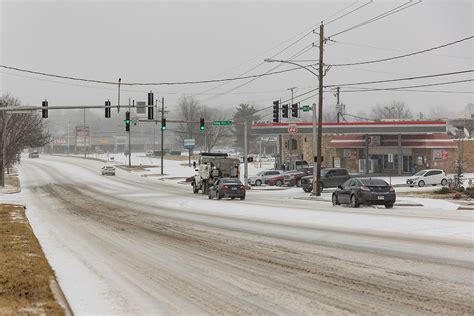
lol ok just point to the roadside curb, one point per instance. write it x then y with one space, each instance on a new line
316 199
465 208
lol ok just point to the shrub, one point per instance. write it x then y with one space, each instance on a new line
470 192
443 190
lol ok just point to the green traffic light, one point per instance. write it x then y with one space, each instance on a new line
201 128
163 128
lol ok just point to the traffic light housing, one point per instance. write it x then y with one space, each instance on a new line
163 124
150 105
108 110
44 111
284 110
276 111
294 110
127 121
201 124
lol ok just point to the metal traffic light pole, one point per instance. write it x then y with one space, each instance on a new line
162 133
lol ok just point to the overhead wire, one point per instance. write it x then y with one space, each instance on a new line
352 11
385 14
400 79
414 86
404 55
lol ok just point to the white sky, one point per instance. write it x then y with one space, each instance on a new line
155 41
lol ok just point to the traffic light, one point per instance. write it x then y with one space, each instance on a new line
127 121
108 110
150 105
284 110
276 111
44 111
294 110
201 124
163 124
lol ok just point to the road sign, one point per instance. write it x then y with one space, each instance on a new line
305 108
189 143
222 123
141 110
292 128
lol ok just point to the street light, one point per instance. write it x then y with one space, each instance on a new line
316 153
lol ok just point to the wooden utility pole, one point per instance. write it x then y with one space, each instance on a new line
338 106
162 131
320 112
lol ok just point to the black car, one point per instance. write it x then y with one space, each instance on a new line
227 188
372 191
330 178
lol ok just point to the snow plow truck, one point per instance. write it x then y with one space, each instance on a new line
212 166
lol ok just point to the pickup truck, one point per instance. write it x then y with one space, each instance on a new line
330 178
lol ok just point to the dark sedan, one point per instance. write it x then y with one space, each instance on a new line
227 188
371 191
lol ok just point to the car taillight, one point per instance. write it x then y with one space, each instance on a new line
242 187
391 189
364 188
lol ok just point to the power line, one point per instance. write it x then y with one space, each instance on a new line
400 79
415 86
304 50
405 55
146 83
396 50
402 7
354 10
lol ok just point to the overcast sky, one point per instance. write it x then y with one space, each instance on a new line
157 41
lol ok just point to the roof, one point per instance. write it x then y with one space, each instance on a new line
371 128
412 141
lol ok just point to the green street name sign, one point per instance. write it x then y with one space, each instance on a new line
221 123
305 108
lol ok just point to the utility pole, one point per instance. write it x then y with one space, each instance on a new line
246 166
162 133
129 139
338 105
68 122
317 187
154 127
84 131
118 101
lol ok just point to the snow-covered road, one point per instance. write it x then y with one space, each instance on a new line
134 245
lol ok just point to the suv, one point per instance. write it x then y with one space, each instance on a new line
262 176
428 176
330 178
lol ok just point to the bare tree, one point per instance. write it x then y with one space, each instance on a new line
18 131
214 134
188 110
395 110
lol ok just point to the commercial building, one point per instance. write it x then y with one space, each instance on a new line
386 147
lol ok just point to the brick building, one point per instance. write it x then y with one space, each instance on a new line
384 147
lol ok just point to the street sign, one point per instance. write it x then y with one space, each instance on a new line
141 110
221 123
305 108
292 128
189 143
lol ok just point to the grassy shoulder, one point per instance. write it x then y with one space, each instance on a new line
25 275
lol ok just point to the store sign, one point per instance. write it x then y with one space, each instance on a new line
60 141
82 136
440 154
292 128
189 143
350 153
374 140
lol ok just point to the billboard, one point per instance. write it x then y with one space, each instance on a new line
82 136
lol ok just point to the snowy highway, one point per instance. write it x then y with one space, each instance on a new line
138 245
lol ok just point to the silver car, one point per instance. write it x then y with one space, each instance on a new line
260 177
108 171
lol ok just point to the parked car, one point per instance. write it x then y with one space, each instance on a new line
275 180
149 153
293 178
330 178
108 171
227 188
371 191
260 177
33 154
428 176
